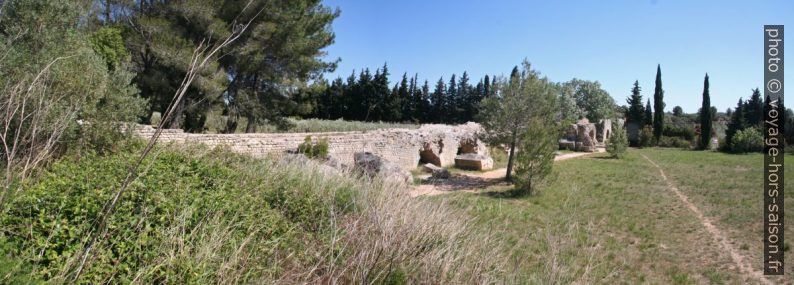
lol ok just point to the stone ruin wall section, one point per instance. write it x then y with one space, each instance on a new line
401 146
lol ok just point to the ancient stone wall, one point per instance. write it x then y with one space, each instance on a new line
437 144
586 136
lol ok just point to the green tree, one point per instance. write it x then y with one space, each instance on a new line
754 110
658 105
108 43
705 117
618 143
264 68
678 111
521 115
451 102
648 114
738 122
590 97
438 101
636 111
569 110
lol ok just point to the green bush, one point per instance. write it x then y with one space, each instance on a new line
618 142
229 204
747 140
676 142
312 149
680 131
646 137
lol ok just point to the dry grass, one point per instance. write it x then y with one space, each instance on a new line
261 221
393 238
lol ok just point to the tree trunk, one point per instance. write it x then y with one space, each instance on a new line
231 124
107 11
175 121
250 127
511 156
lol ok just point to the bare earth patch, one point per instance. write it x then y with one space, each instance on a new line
473 182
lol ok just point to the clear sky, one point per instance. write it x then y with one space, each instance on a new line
613 42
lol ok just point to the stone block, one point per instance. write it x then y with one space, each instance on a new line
473 161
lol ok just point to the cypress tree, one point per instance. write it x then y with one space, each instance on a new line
648 115
705 116
658 105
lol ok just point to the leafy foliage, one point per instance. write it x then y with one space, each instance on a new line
747 140
257 211
676 142
523 107
618 143
312 149
592 99
646 137
678 111
109 44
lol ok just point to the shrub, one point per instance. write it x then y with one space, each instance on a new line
676 142
646 137
535 157
680 131
254 210
314 150
747 140
200 216
618 142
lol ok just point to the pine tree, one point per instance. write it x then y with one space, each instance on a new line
450 108
424 106
486 87
658 105
738 122
636 111
365 89
705 116
755 109
465 100
438 102
403 103
648 114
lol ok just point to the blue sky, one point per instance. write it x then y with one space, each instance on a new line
613 42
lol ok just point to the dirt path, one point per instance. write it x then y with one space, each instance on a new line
715 232
471 182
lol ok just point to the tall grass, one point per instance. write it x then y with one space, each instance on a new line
208 216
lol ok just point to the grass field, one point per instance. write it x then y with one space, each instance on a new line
615 221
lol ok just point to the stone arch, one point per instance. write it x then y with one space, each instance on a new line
427 155
467 146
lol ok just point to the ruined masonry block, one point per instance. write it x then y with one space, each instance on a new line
473 161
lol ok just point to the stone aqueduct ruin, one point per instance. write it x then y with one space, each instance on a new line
441 145
436 144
